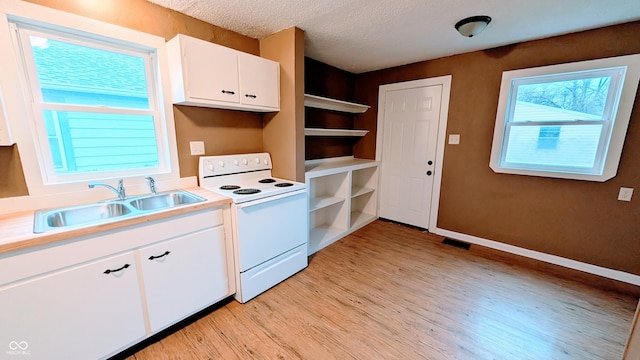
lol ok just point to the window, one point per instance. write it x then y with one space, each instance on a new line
94 104
87 101
566 121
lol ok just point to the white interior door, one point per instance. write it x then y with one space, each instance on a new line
410 134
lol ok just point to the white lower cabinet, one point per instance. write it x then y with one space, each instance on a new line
94 296
83 312
184 275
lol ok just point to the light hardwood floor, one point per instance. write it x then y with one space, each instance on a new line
392 292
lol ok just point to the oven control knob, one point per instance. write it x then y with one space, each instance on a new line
210 166
265 161
236 162
245 161
257 160
221 163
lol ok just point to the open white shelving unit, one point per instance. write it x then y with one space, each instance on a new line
320 102
334 132
342 198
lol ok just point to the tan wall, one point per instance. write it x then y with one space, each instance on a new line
223 131
12 181
283 133
579 220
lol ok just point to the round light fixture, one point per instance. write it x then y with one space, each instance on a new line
473 25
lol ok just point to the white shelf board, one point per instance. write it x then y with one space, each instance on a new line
329 166
323 201
320 102
334 132
358 219
324 235
359 190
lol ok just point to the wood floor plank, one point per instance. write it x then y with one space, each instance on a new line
388 292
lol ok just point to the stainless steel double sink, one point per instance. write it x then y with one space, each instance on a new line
107 211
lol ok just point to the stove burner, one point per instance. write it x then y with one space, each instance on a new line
246 191
283 184
229 187
266 181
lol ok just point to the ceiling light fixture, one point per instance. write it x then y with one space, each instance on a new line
473 25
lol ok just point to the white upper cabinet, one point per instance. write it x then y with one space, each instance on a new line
210 72
259 81
210 75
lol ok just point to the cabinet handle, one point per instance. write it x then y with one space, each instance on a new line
109 271
250 96
153 257
228 92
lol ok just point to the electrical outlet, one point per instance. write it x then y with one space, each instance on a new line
625 194
197 147
454 139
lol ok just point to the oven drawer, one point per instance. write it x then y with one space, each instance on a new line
265 276
269 227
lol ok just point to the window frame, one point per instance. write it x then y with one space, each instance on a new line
12 76
614 127
50 176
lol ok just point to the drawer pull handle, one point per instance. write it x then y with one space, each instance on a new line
109 271
228 92
250 96
153 257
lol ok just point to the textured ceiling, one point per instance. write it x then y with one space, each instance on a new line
364 35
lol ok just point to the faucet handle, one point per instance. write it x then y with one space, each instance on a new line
152 184
121 193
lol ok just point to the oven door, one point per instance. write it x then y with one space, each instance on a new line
269 227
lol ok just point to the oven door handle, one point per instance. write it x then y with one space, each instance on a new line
270 198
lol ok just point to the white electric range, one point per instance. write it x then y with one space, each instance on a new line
268 215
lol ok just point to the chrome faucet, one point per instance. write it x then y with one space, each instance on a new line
152 184
119 191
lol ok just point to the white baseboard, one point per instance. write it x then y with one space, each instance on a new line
552 259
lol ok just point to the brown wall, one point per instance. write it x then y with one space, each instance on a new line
328 81
223 131
579 220
12 181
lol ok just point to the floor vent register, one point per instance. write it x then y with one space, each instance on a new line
456 243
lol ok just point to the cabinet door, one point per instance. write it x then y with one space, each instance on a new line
184 275
78 313
210 71
259 81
